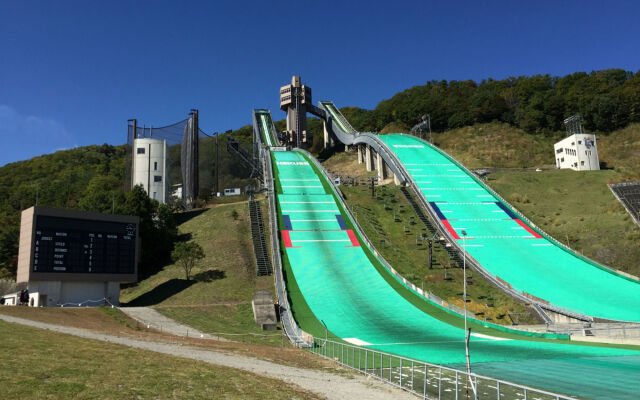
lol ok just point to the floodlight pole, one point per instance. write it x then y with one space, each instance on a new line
217 165
467 331
326 330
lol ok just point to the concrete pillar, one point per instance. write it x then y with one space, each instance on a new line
368 157
360 154
396 180
381 167
328 140
346 147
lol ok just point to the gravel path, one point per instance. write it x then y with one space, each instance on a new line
323 383
153 319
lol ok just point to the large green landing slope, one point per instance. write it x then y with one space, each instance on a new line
342 287
509 248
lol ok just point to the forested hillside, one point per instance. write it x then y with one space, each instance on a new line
92 178
608 100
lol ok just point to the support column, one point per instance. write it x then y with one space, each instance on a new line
360 155
381 167
368 157
396 180
328 140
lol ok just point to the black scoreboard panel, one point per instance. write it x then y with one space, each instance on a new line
83 246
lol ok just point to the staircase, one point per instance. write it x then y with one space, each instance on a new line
263 262
453 254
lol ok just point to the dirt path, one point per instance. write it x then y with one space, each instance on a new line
323 383
154 320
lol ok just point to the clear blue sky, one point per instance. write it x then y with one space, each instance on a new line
73 72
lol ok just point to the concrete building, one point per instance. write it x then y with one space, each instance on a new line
150 168
76 258
294 99
578 152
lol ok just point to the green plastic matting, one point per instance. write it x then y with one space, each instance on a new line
345 290
508 248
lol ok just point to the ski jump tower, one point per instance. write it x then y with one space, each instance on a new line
294 99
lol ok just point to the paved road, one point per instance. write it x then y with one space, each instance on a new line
154 320
323 383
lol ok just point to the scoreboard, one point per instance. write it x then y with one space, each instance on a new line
61 244
80 245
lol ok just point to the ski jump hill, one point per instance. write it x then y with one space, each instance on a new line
338 285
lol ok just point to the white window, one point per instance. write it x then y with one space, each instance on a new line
154 195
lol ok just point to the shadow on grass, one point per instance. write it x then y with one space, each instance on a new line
209 275
183 217
160 293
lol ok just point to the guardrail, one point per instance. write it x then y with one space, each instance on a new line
424 379
335 112
473 262
291 328
522 216
426 295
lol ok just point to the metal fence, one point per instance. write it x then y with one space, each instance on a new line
428 381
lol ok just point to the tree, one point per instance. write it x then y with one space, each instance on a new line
187 254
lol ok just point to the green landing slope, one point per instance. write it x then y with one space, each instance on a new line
342 287
509 248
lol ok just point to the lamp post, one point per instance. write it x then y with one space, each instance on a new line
467 331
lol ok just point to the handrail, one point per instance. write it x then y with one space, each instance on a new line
338 114
474 263
400 169
522 216
428 296
291 328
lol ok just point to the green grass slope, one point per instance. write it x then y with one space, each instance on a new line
68 367
218 299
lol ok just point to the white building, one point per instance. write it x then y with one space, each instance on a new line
578 152
150 167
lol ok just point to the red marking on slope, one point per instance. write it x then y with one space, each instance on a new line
286 239
528 228
352 236
450 229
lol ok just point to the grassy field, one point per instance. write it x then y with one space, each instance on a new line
219 297
50 365
395 230
578 209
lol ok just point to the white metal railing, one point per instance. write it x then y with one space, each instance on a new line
426 380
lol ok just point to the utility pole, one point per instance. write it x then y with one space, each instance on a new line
467 331
217 166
